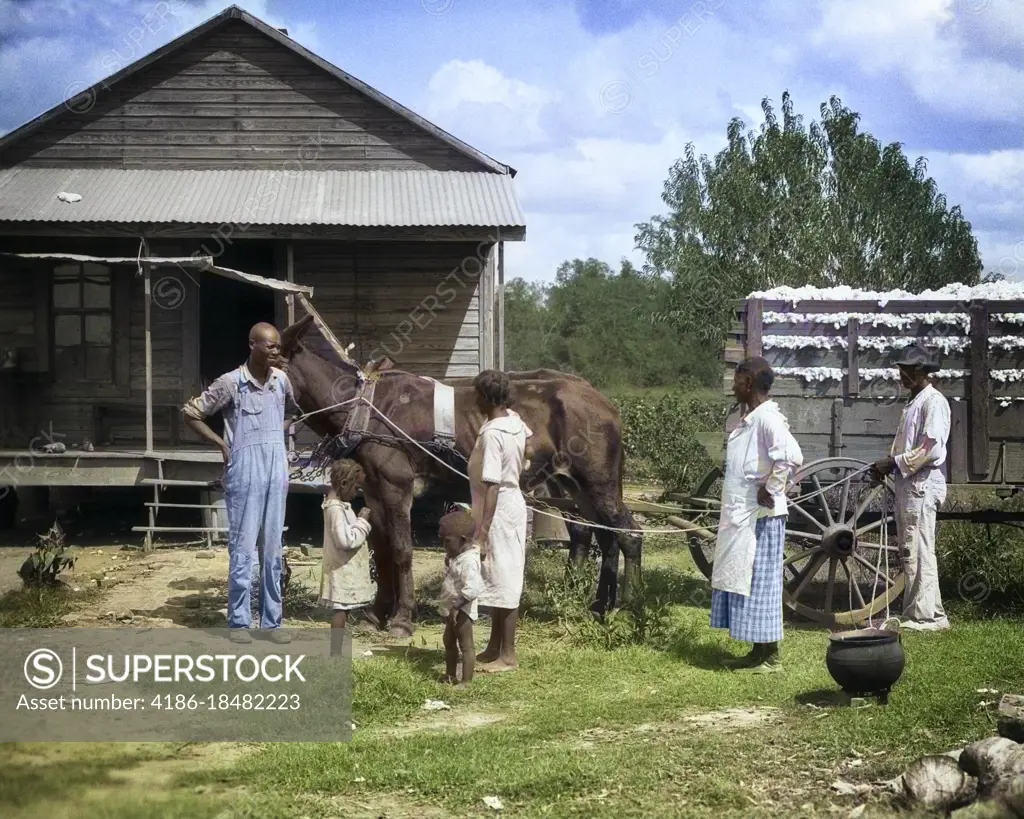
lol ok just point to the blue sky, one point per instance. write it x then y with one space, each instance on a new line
591 101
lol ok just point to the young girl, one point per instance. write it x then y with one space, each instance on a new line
345 583
461 587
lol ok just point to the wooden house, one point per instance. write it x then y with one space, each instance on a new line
235 144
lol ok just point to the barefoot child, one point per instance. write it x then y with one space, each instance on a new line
345 583
462 585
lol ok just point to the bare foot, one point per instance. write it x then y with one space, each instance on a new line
497 667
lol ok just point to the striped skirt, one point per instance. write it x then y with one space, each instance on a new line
758 618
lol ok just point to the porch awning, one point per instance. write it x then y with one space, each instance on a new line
202 263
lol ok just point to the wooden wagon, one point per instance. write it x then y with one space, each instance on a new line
837 383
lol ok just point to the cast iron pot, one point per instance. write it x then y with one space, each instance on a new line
865 663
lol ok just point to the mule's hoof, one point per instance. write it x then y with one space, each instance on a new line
401 630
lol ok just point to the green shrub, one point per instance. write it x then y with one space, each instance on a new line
981 566
660 435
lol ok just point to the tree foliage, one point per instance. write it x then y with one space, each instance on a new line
592 322
823 206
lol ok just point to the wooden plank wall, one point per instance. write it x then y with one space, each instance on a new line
236 99
415 302
871 409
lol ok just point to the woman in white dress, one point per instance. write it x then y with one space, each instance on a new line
499 510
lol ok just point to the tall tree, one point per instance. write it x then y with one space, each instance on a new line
790 205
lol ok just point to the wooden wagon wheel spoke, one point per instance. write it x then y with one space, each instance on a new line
875 570
865 503
808 573
807 515
854 586
797 534
845 500
803 554
822 500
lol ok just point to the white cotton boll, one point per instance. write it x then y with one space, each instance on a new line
803 342
994 291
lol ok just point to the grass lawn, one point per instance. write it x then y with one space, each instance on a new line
579 730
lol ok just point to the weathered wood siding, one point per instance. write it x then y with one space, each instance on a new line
857 417
417 303
235 99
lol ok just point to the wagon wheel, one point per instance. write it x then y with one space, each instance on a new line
703 508
834 563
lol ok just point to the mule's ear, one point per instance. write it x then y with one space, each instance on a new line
293 333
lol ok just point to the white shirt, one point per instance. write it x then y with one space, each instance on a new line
923 432
770 453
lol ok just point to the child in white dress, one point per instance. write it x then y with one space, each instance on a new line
462 585
345 582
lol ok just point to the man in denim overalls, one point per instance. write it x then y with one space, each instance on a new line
255 399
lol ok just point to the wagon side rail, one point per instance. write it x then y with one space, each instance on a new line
836 378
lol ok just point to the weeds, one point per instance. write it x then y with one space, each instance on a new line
566 597
50 558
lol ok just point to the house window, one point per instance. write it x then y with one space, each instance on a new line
82 322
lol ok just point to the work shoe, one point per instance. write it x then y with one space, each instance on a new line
936 625
746 661
280 637
240 635
772 665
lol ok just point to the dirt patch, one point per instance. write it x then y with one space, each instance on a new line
735 719
370 806
454 720
727 721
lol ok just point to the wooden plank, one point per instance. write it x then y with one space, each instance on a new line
836 436
41 277
895 306
999 359
790 385
852 357
755 310
980 391
958 447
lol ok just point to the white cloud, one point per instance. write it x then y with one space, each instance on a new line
919 39
473 91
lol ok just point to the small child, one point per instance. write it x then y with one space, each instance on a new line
462 585
345 582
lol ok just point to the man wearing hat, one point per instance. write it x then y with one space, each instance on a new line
916 459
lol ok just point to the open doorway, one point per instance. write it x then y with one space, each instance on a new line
227 311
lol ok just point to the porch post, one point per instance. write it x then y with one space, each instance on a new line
501 302
148 302
290 298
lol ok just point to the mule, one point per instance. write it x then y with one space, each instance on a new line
575 452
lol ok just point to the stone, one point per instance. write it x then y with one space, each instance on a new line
206 554
1010 722
193 603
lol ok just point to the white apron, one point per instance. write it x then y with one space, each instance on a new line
761 441
733 567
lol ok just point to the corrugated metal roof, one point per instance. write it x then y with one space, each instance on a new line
261 197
